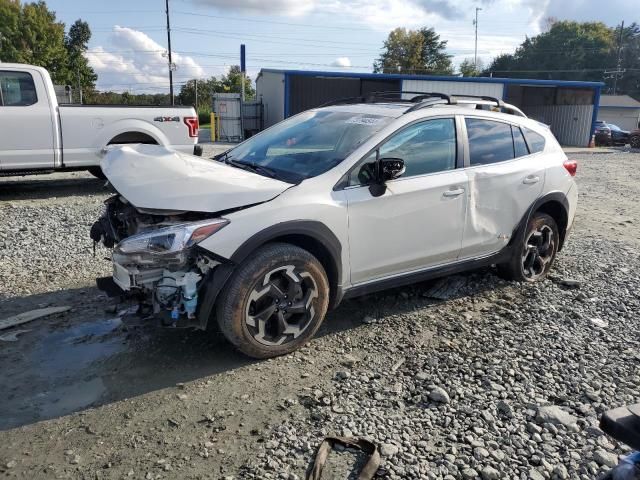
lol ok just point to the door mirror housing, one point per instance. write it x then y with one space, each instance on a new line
392 168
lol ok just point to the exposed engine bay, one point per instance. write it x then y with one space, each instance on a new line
156 259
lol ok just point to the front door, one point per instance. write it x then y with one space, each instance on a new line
27 134
418 222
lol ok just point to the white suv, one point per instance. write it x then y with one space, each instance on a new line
338 201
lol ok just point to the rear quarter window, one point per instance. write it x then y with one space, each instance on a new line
535 141
489 141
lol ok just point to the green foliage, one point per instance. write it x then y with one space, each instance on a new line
31 34
414 52
126 98
469 69
76 43
576 51
229 83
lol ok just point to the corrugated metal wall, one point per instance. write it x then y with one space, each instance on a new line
452 87
571 124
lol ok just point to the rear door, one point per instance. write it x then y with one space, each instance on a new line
419 220
26 122
506 176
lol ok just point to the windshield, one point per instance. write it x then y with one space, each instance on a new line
306 145
614 127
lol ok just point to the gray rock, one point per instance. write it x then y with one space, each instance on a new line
490 473
469 473
439 394
605 458
560 472
388 450
535 474
555 415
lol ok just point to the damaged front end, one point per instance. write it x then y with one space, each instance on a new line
156 260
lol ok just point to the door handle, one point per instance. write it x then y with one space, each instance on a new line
531 179
453 193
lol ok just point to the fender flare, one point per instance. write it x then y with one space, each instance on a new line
308 228
559 197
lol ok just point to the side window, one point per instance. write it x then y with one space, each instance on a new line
425 147
534 140
519 145
17 89
489 141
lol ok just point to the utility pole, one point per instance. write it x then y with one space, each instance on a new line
196 94
475 55
171 65
618 71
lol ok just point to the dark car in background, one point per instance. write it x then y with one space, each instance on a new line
610 134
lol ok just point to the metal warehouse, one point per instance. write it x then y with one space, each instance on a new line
570 108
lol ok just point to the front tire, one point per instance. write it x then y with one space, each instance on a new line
635 141
275 302
533 258
97 172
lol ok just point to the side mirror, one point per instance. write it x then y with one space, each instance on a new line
392 168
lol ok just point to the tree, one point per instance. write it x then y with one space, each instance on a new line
37 38
433 53
206 89
232 82
568 50
9 30
76 42
414 52
469 69
31 34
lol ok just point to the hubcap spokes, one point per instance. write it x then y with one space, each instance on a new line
538 252
280 307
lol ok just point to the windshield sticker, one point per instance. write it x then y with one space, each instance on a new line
364 120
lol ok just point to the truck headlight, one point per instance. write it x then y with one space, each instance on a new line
165 244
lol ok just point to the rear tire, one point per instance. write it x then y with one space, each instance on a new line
275 302
533 257
635 141
97 172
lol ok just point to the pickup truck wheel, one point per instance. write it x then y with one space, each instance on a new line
532 259
97 172
275 302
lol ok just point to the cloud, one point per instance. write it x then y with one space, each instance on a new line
442 8
271 7
134 60
344 62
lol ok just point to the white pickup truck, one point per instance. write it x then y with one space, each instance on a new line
37 135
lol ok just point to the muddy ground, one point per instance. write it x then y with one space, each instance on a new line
81 396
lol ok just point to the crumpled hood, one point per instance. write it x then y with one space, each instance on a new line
154 177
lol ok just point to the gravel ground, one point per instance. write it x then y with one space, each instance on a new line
489 380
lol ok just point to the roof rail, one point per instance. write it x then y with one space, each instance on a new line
387 96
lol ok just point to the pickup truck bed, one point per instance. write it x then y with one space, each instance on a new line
38 135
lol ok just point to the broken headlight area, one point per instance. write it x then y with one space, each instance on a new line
159 265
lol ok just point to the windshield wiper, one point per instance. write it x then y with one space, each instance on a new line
254 167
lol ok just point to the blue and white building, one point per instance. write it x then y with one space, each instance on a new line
569 107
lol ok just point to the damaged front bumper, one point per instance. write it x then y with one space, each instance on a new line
157 262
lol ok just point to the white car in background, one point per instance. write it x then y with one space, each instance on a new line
38 135
335 202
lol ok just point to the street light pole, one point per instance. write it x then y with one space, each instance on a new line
475 54
169 52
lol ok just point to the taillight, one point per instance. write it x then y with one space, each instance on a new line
571 166
192 124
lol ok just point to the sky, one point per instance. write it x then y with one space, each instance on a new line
129 41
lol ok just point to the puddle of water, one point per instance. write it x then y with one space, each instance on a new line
52 376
